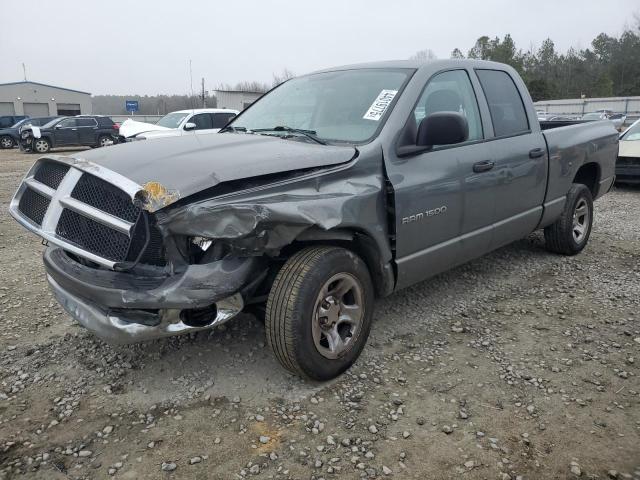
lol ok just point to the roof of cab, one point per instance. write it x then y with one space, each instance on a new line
415 64
206 110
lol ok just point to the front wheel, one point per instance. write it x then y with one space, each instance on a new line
319 312
6 142
570 233
41 145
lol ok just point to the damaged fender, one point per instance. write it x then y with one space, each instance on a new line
268 220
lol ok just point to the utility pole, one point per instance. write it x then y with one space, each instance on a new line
204 98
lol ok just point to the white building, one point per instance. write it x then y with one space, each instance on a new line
236 100
39 100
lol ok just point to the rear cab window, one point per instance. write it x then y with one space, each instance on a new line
506 107
221 119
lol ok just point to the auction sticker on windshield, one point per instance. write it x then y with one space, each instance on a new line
380 105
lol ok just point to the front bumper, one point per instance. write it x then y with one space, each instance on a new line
628 170
128 308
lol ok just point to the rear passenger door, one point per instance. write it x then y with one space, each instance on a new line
87 130
519 151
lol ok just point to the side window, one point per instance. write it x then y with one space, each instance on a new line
68 123
86 122
221 119
451 92
202 121
505 103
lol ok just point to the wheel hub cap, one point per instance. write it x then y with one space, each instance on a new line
580 220
337 315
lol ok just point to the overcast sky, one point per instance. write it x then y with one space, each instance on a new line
144 46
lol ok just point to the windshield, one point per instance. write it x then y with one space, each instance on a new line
633 133
24 121
52 122
343 106
172 120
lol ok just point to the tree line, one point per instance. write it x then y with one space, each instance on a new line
609 67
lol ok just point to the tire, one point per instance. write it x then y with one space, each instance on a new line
104 141
570 233
6 142
312 321
40 145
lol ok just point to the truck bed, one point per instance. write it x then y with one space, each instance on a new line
571 146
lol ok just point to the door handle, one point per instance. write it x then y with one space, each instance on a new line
536 153
484 166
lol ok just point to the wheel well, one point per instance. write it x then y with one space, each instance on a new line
589 175
360 243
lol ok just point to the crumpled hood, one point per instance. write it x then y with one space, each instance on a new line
191 163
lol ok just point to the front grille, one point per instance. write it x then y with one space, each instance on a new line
154 253
93 236
33 205
108 198
51 174
78 229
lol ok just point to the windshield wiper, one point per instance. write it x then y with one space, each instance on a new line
312 134
230 128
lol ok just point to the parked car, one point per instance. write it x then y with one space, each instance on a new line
628 163
81 130
325 193
542 115
617 119
6 121
182 122
9 137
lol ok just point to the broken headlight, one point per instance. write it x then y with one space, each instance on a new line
202 242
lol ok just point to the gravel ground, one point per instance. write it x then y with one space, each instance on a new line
519 365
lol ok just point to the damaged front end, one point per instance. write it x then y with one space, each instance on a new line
136 261
108 264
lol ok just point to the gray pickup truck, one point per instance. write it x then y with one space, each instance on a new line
333 189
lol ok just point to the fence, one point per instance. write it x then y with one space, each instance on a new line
138 118
630 106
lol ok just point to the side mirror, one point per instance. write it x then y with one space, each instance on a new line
58 126
442 128
190 126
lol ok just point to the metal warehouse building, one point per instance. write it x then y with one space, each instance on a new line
40 100
236 100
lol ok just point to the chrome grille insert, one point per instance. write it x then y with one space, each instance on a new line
87 210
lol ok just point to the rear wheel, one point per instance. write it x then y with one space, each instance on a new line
105 140
570 233
319 312
6 142
41 145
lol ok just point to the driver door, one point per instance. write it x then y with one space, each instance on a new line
66 132
444 204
